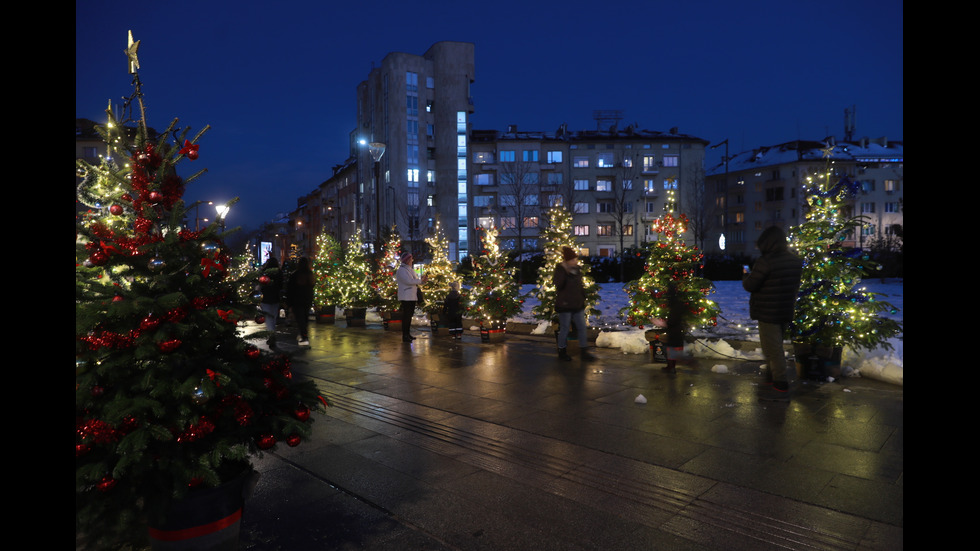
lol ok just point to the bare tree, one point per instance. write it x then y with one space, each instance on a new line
519 198
627 187
694 207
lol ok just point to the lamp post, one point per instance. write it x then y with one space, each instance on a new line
377 149
222 213
724 227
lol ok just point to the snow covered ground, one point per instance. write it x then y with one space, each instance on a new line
734 325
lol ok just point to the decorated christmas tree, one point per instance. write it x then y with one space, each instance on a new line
671 261
439 271
327 272
383 277
832 310
494 294
354 286
169 397
556 236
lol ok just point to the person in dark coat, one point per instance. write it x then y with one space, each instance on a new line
299 296
675 326
270 284
453 311
570 304
774 283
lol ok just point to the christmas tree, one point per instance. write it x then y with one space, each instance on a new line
671 261
831 309
556 236
327 272
439 271
169 397
494 293
383 277
354 286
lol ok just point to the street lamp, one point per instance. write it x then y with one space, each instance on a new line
377 149
222 213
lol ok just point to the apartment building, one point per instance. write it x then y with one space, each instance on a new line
766 186
613 181
414 111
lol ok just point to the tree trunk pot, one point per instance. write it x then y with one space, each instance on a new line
817 362
356 317
207 519
391 320
492 331
327 314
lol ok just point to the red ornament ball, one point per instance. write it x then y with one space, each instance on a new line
252 351
293 440
265 441
264 280
155 197
116 210
302 413
260 319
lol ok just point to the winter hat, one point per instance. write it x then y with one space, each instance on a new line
567 253
405 256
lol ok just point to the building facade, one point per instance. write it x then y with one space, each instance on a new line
766 186
614 182
417 107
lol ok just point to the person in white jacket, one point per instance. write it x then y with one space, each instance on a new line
408 293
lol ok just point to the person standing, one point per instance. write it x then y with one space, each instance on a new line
270 284
299 296
408 293
453 311
773 284
570 304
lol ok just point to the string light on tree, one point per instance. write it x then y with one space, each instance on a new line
494 294
671 261
831 309
439 271
556 236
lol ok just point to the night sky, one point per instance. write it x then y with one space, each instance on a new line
276 81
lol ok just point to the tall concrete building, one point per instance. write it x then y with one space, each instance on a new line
417 108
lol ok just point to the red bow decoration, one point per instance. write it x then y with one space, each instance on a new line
190 149
228 315
208 264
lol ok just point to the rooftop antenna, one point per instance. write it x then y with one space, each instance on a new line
607 118
849 122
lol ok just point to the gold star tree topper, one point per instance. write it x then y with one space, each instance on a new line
134 62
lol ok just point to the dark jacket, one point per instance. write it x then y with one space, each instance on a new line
570 289
299 290
774 281
451 307
272 290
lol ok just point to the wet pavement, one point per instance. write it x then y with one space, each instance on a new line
464 445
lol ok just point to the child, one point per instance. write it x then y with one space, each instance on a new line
674 347
453 312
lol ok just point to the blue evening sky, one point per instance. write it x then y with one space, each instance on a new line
276 81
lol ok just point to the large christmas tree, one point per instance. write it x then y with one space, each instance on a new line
494 293
354 286
383 277
439 271
671 261
832 310
169 396
556 236
327 272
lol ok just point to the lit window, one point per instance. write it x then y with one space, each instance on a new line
670 160
582 230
